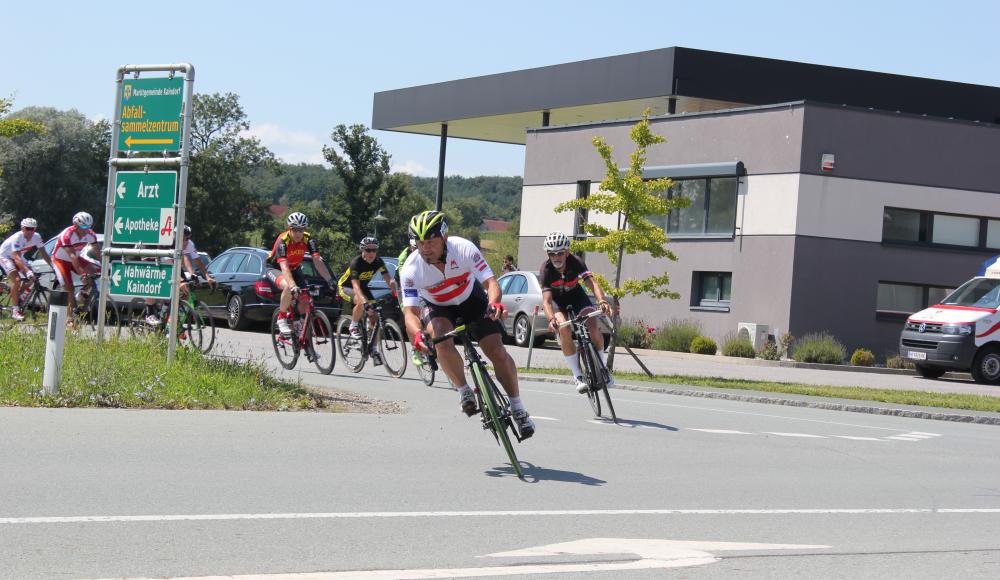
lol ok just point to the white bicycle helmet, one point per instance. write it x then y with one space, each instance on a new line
556 242
29 223
298 219
367 241
83 220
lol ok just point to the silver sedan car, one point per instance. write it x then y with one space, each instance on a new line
522 294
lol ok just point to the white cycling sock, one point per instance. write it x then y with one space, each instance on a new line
463 389
353 325
574 365
516 404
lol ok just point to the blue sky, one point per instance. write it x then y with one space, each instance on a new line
300 68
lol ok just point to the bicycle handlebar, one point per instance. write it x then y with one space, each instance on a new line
581 319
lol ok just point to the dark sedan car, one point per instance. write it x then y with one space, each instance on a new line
245 295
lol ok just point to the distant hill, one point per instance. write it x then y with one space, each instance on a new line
493 196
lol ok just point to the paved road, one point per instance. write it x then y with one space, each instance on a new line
727 489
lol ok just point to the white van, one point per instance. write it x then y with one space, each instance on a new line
962 333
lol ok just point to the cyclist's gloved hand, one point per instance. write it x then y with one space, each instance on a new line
496 311
554 325
30 274
605 307
421 342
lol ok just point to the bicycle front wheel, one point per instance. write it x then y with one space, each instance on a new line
424 370
322 343
190 330
208 340
352 350
587 366
496 416
285 348
393 348
112 321
134 317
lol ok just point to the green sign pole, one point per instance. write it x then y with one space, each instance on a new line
150 115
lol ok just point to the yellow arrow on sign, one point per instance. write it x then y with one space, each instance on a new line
129 141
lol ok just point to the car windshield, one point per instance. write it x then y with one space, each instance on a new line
976 293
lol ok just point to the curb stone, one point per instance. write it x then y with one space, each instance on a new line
829 406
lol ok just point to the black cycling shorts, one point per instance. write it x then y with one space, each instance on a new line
472 312
300 279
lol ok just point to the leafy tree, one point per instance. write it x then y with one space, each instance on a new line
51 174
221 208
632 198
362 165
14 126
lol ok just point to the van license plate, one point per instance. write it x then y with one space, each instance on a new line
916 355
314 291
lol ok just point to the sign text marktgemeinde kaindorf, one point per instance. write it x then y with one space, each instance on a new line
151 114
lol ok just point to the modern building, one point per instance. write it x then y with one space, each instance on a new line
822 198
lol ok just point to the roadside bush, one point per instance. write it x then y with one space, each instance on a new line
633 334
703 345
676 335
769 351
894 361
863 357
819 347
787 340
732 345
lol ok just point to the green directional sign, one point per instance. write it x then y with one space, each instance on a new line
151 114
143 225
145 189
145 280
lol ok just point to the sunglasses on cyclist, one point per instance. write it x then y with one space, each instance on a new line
371 250
562 253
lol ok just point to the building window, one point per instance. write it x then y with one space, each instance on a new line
897 301
910 226
712 211
712 290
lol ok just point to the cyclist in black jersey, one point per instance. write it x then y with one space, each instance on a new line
563 276
359 273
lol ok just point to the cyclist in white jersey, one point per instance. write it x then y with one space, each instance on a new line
450 274
13 263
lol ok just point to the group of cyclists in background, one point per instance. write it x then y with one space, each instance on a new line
442 282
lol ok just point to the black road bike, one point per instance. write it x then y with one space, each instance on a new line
87 306
494 408
33 299
312 333
384 343
594 371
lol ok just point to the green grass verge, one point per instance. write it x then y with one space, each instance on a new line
134 374
918 398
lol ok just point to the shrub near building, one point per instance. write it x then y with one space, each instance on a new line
819 347
733 345
676 335
703 345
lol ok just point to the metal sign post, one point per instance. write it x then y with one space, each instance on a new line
151 115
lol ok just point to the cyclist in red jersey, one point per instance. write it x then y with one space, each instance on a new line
67 257
289 249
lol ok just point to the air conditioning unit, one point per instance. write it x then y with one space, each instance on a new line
755 333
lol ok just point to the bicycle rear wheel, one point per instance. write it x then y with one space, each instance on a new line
36 308
497 417
607 393
112 321
208 340
352 350
587 366
393 349
321 341
134 317
285 348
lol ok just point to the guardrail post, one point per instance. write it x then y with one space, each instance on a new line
531 338
54 339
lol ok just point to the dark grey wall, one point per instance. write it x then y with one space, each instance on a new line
765 140
762 277
835 286
902 148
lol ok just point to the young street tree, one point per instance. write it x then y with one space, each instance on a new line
632 198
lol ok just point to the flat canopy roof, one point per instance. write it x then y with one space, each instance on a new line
501 107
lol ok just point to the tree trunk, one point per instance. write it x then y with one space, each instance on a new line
615 304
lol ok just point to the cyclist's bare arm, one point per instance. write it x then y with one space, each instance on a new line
20 262
602 300
411 316
322 269
45 256
286 273
204 271
550 312
359 296
390 282
74 259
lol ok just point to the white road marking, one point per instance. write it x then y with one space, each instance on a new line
697 408
852 438
810 436
722 431
540 418
465 514
903 438
653 554
926 434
